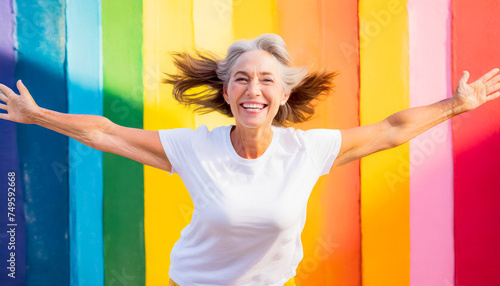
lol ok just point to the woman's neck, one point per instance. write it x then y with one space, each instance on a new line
251 143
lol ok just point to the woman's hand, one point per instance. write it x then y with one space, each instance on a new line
402 126
470 96
20 108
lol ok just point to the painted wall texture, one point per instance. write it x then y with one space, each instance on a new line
421 214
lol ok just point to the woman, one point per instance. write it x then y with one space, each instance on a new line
249 182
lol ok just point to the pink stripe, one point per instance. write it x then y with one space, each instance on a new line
431 161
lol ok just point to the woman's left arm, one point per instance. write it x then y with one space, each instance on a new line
402 126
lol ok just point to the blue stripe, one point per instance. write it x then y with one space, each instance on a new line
84 66
43 154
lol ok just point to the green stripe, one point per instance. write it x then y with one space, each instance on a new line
123 202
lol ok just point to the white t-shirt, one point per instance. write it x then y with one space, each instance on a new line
248 213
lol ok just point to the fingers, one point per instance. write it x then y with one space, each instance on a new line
464 78
493 88
495 79
20 86
493 84
493 96
2 96
3 92
489 75
4 115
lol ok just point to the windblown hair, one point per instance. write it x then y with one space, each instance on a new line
209 73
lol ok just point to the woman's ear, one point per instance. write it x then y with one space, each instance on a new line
224 93
286 96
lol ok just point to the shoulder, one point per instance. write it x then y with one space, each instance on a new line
323 142
181 144
288 136
320 133
329 139
311 139
200 135
309 136
184 132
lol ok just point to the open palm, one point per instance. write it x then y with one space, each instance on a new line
20 108
476 93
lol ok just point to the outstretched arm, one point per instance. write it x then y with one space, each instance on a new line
402 126
98 132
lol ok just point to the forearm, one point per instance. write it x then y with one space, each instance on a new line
88 129
407 124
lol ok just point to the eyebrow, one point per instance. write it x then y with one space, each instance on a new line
246 74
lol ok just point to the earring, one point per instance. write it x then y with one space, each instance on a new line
283 102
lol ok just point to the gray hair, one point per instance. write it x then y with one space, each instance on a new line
274 45
211 74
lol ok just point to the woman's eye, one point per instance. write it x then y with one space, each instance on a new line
268 80
241 79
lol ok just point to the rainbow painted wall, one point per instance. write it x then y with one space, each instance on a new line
425 213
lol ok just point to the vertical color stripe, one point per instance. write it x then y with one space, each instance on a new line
476 147
431 162
13 253
168 206
384 176
305 42
85 164
123 179
43 154
212 32
253 18
341 193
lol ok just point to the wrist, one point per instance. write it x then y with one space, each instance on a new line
456 106
36 116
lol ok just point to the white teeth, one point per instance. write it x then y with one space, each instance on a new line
253 105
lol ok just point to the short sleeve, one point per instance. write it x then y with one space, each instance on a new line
324 146
177 144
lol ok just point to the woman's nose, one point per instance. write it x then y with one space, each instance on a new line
254 88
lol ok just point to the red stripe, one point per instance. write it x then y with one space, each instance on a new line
476 147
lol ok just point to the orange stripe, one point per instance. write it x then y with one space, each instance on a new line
331 237
341 195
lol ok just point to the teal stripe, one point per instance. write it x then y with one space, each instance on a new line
85 173
41 37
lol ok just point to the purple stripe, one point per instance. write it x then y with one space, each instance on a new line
12 237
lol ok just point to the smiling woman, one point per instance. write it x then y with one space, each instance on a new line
249 182
204 69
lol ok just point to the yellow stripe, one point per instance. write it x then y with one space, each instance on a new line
384 69
168 207
252 18
212 32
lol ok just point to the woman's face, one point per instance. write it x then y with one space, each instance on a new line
255 89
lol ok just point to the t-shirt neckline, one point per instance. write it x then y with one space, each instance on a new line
262 157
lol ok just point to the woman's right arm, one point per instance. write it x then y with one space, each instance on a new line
98 132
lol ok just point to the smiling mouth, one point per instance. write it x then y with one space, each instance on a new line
253 106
